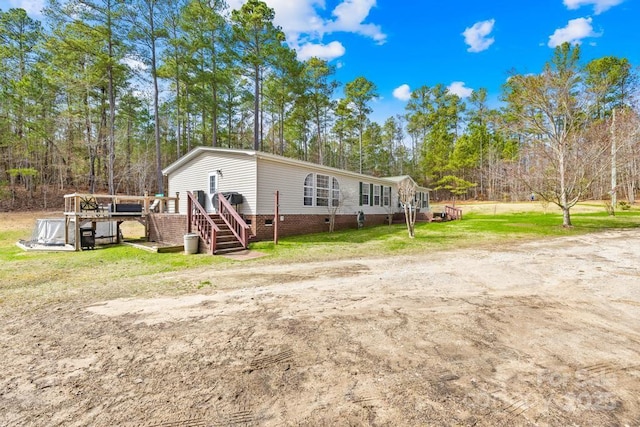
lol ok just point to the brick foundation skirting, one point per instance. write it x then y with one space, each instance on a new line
171 228
167 228
291 225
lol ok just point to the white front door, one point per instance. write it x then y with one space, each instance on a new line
213 189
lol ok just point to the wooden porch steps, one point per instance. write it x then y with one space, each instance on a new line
222 232
226 242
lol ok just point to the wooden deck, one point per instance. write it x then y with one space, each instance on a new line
83 209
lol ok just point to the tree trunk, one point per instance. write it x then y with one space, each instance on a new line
319 136
178 113
92 170
214 119
614 172
564 203
566 217
256 109
156 111
112 108
129 149
408 216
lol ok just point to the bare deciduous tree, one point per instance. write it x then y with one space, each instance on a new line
407 196
338 200
547 109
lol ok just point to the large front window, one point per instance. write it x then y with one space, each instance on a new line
321 190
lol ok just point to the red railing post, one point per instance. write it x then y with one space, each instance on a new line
206 227
189 211
233 220
276 218
454 213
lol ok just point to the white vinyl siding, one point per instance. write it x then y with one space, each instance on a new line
335 192
237 173
257 176
289 180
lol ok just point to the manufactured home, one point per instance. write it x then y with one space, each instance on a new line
263 188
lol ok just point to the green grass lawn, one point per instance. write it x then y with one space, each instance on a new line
474 230
31 274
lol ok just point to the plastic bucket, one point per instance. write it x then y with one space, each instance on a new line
191 244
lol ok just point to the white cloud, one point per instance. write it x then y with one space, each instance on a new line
574 32
599 6
458 88
32 7
403 92
476 36
350 16
297 17
327 52
304 26
134 64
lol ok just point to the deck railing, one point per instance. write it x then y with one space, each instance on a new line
198 218
99 204
234 221
453 213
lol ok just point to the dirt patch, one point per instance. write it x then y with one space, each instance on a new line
535 334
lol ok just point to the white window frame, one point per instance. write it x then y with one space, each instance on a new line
320 190
323 190
213 185
308 190
386 196
377 199
425 199
365 196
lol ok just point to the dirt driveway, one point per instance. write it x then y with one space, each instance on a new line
539 333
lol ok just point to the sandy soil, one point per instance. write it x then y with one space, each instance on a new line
534 334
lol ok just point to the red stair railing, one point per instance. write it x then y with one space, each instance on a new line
234 221
199 219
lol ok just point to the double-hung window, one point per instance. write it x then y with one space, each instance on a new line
386 196
322 190
308 190
364 194
376 195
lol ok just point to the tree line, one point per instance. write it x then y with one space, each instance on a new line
105 93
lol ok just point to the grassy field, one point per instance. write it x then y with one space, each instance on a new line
47 276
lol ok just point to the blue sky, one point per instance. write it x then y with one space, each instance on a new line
401 45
